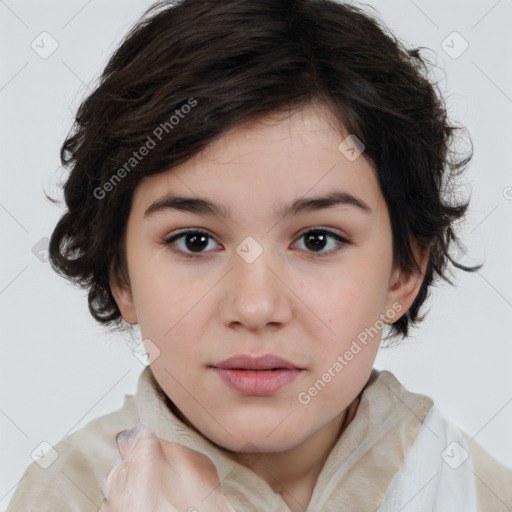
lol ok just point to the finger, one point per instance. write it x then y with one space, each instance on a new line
137 479
117 478
104 507
127 439
195 480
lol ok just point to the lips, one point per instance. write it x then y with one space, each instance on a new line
246 362
256 376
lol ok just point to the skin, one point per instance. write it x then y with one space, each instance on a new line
289 301
139 482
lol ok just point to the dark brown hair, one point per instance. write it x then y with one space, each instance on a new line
190 70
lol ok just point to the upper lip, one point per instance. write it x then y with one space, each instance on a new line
247 362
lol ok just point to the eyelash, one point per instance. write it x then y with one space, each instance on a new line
171 240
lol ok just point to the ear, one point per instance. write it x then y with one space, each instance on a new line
403 288
123 295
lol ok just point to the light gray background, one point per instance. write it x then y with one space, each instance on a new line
59 370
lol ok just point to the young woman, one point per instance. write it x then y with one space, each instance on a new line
261 186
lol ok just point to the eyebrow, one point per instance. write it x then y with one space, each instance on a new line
203 206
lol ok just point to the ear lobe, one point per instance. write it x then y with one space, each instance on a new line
404 287
124 300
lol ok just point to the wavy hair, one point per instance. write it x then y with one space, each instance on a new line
240 60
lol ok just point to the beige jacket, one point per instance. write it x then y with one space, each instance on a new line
381 434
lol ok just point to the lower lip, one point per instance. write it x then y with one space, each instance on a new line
257 383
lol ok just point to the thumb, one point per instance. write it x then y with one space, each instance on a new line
127 439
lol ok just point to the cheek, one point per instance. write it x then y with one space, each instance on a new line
351 329
344 303
173 313
166 296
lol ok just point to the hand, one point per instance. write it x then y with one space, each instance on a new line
156 475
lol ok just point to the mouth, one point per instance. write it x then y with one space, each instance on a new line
267 362
256 376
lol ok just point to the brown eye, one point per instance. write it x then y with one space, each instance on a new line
196 241
315 240
193 241
318 239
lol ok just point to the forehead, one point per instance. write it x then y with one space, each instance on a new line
267 162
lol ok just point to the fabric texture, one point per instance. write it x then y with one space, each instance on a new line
437 473
376 460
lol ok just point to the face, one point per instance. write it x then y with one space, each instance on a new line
313 287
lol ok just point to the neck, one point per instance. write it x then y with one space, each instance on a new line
293 473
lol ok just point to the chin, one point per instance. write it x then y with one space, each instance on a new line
245 440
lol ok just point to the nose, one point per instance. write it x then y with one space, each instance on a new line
256 293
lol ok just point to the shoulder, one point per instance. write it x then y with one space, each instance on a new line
73 473
435 445
493 480
482 476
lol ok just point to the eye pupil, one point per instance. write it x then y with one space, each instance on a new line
194 238
319 237
196 242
